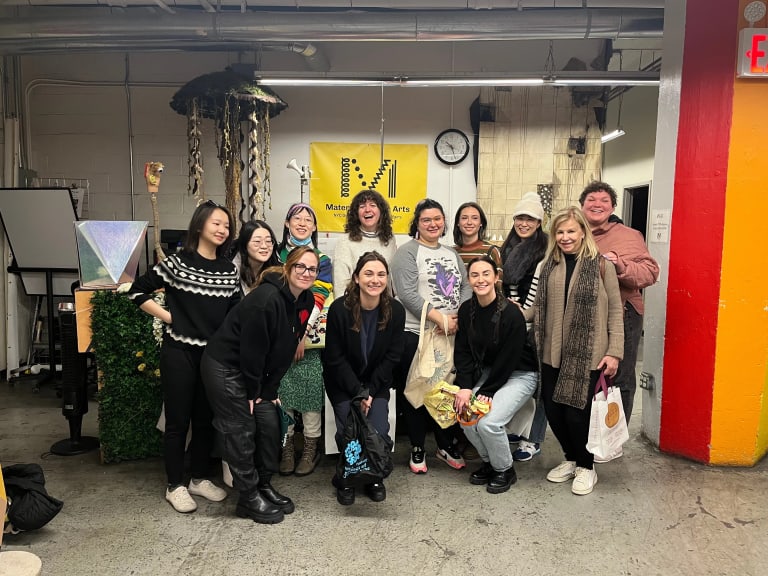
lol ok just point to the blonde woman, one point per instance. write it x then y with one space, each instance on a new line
577 319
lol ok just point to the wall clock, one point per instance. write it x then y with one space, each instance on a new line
451 146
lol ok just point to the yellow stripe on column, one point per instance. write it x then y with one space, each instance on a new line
739 408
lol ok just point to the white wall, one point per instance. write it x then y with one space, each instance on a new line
628 160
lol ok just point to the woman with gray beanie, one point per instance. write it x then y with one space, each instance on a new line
521 254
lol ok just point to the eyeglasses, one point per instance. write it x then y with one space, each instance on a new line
302 269
212 204
428 221
259 243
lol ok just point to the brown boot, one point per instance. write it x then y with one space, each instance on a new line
288 459
310 457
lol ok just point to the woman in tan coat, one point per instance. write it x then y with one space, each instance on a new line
579 332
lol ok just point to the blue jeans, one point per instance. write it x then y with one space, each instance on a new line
488 435
625 377
539 424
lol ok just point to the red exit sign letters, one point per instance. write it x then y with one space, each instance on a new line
753 53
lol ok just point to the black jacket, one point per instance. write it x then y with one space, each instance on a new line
343 372
260 335
503 349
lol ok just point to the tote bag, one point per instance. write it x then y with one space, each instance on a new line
607 425
432 362
365 458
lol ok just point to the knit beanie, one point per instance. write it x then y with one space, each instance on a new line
529 205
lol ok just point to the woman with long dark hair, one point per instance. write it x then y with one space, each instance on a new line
493 361
201 286
424 270
364 342
242 367
469 228
302 387
522 254
256 251
579 328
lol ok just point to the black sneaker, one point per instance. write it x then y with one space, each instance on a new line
418 461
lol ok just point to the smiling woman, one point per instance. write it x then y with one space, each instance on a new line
368 228
494 362
302 386
200 287
364 345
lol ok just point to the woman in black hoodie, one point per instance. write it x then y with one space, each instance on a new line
242 367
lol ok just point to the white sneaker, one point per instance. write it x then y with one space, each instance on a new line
562 472
226 474
180 499
207 490
584 482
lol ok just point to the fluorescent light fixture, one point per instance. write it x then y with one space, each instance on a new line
458 82
564 79
602 82
612 135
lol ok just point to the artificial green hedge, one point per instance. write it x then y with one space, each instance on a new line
130 398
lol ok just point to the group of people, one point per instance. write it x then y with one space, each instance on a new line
541 317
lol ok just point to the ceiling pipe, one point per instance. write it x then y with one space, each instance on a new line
363 4
63 29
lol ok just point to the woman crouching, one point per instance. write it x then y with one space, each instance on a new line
363 344
242 367
493 361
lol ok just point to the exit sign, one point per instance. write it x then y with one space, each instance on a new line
753 53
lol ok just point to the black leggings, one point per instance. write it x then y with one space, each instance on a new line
569 425
185 401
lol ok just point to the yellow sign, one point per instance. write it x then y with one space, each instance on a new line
341 170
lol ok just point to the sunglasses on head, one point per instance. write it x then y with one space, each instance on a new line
213 204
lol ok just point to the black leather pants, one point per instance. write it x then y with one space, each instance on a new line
251 441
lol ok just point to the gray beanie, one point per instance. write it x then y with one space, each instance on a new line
529 205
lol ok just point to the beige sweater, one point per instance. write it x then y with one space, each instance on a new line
609 324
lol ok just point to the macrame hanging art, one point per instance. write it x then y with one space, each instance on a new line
230 99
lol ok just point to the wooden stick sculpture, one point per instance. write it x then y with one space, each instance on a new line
152 172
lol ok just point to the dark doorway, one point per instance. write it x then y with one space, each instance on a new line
636 207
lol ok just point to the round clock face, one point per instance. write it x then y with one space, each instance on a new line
451 146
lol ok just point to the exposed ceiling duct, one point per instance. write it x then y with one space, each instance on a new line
52 29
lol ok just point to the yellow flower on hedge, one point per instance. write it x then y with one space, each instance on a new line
141 367
140 353
157 372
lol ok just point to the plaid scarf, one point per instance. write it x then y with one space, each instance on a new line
572 387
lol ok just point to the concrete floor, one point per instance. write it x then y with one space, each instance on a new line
650 514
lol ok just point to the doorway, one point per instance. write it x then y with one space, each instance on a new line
635 212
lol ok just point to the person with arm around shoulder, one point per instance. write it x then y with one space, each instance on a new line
201 286
426 271
242 367
368 228
635 268
364 342
577 321
495 363
301 389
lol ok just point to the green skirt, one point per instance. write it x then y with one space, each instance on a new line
302 386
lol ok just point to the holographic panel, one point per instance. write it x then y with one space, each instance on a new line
109 251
